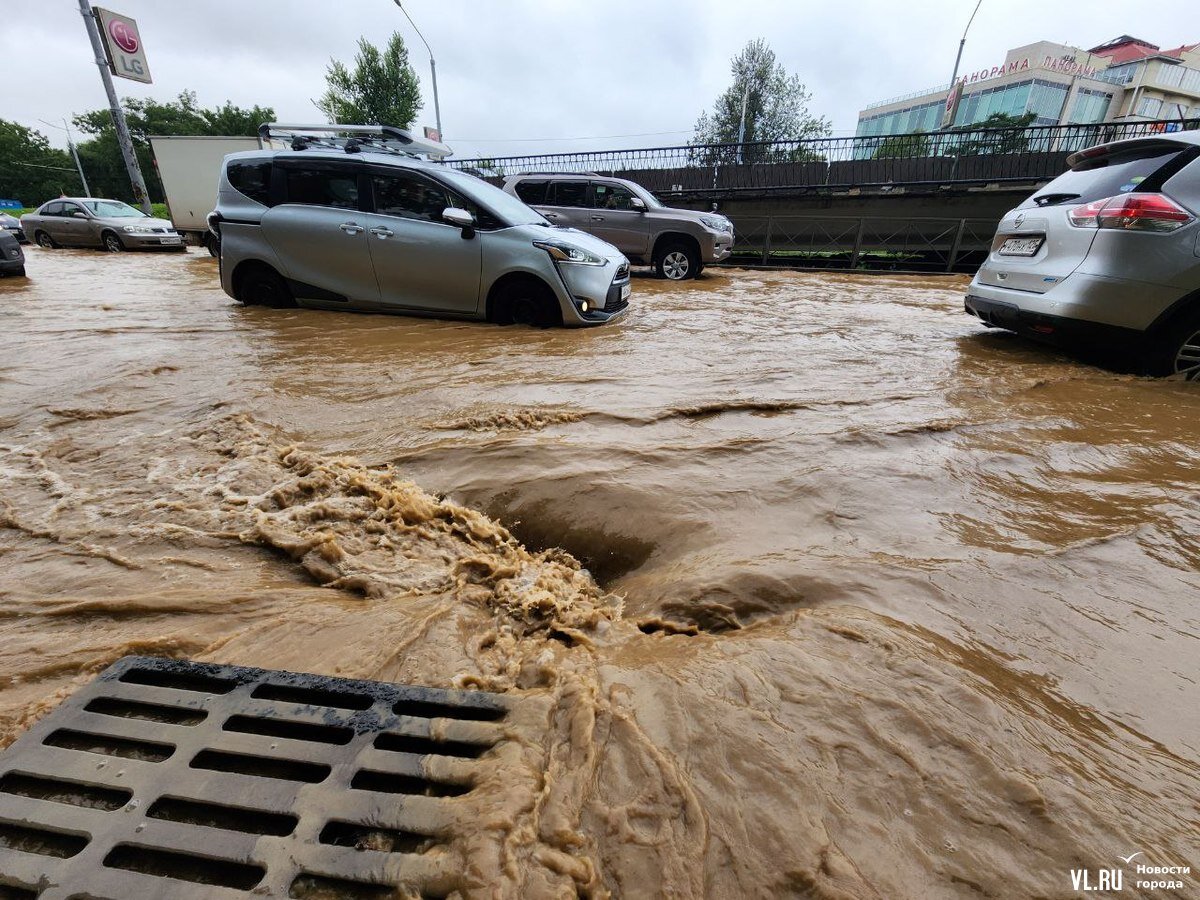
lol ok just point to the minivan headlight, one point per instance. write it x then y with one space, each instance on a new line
716 223
569 253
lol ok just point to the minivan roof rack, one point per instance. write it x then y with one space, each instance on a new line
352 138
567 174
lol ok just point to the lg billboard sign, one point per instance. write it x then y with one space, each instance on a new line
123 44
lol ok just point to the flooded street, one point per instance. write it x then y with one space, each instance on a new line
829 592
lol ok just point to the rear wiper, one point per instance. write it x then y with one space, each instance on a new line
1051 199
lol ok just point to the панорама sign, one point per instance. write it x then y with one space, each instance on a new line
123 43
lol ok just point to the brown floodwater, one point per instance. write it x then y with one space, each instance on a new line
825 590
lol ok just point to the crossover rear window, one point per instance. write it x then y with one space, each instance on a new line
251 178
1120 173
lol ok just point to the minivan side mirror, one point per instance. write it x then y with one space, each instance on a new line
638 203
461 218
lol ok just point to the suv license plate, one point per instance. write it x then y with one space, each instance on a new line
1021 246
626 290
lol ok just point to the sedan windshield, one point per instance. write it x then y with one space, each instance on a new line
113 209
510 210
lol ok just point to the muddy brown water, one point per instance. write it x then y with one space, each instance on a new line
828 592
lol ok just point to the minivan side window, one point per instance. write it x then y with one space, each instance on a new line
571 193
532 192
409 197
252 178
322 187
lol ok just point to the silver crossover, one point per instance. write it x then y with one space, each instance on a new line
93 222
677 242
1106 256
356 225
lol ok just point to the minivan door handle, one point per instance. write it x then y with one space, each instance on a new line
382 232
351 228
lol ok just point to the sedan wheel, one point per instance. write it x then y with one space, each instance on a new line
44 240
112 243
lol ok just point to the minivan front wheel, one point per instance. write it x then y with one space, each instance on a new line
677 262
526 301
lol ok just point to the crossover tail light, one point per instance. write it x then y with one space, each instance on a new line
1131 212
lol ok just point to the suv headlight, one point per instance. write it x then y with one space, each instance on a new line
569 253
138 229
716 223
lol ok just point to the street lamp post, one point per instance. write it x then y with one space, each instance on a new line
437 109
961 44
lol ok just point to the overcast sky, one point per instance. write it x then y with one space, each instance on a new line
519 76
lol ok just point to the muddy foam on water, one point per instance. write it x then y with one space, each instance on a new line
816 590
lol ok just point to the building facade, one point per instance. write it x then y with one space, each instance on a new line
1126 79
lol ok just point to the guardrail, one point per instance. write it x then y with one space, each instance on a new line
977 156
862 243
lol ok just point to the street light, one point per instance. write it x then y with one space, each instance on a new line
437 109
87 192
961 44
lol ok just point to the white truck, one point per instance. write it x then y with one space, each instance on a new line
190 168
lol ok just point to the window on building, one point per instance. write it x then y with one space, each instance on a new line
1090 106
1149 107
1176 76
1123 74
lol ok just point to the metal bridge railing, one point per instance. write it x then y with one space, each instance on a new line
932 158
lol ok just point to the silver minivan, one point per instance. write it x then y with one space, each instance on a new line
1106 256
361 223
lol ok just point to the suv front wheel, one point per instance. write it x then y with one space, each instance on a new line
677 261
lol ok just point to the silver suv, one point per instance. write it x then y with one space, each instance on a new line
677 242
359 222
1107 255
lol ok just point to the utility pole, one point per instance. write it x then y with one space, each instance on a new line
123 139
87 191
742 123
962 43
437 109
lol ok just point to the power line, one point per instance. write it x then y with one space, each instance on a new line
594 137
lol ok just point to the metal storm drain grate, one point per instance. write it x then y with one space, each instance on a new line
164 778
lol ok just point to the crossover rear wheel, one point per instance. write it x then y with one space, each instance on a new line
677 261
1177 350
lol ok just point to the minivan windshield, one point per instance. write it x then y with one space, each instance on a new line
113 209
1120 173
508 208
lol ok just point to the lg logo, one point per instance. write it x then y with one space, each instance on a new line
124 36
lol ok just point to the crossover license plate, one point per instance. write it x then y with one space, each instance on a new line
1021 246
626 290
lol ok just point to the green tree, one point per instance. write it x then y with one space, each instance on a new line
1010 135
30 169
902 146
382 89
101 155
776 110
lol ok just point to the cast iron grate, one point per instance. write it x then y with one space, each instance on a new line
164 778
